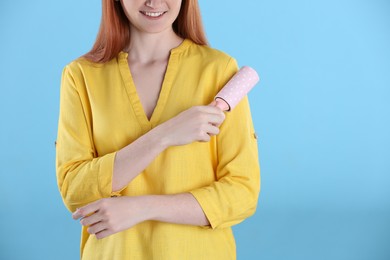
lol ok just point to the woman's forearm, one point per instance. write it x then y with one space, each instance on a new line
112 215
180 208
130 161
197 123
135 157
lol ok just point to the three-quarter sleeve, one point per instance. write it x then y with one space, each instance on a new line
82 176
233 196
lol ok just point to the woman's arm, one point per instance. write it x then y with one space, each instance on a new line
108 216
233 196
195 124
131 160
227 201
111 215
83 176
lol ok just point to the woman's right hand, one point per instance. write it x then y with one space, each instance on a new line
197 123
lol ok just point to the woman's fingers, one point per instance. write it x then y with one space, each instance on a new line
212 130
197 123
209 109
214 115
208 131
208 119
91 220
96 228
217 119
86 210
108 216
103 234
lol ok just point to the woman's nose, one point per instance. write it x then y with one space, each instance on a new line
153 3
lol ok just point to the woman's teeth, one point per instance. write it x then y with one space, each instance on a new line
153 14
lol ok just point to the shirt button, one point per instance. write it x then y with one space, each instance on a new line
255 135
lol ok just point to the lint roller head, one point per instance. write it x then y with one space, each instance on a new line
237 87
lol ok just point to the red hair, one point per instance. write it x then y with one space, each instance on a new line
114 32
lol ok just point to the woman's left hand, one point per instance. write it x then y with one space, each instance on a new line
111 215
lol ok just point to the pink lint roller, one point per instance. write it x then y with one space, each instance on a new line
237 87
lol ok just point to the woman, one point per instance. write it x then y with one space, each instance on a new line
152 171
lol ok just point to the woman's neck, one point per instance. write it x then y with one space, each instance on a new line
148 47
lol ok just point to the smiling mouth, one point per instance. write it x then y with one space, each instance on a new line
153 14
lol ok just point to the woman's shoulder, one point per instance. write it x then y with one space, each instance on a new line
209 54
81 66
82 62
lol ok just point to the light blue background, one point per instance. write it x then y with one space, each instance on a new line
321 113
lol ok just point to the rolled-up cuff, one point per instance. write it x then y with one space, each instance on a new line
105 176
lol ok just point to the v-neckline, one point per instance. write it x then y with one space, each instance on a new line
166 86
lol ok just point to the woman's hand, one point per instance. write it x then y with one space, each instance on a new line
197 123
111 215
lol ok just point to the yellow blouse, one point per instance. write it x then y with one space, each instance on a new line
100 113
